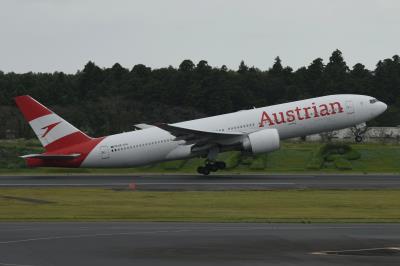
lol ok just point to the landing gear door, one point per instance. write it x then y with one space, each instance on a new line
104 152
349 107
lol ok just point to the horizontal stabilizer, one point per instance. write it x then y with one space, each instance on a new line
52 156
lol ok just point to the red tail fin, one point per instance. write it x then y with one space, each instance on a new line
53 132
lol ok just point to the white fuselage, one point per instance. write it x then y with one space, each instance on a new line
291 119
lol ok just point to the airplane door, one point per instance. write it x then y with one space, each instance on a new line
349 107
105 152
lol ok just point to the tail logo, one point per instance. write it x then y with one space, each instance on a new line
49 128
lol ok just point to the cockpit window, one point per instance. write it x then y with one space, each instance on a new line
373 100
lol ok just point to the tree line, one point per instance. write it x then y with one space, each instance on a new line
103 101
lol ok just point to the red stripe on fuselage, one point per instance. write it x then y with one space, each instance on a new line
67 141
30 108
83 149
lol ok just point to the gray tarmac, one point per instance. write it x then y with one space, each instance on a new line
214 182
128 243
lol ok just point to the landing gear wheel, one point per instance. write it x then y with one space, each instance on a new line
203 170
213 167
206 171
220 165
358 139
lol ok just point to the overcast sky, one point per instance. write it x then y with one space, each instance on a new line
62 35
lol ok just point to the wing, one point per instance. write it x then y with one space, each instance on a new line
199 138
188 133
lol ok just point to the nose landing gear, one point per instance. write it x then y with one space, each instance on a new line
358 138
211 166
359 131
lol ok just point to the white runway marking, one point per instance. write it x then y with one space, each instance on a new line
146 184
332 252
87 235
62 185
13 264
220 183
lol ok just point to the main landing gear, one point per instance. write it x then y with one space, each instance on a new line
211 166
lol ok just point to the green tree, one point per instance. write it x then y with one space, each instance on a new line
335 74
186 65
276 67
243 68
108 100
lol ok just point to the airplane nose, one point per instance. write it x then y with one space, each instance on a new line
381 107
384 107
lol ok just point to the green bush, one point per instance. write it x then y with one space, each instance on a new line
10 150
339 154
332 157
233 160
32 143
173 165
352 155
56 170
317 159
343 164
315 163
258 163
335 148
336 154
246 160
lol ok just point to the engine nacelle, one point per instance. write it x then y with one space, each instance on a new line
262 141
180 152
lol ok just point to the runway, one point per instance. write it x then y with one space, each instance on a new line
44 244
215 182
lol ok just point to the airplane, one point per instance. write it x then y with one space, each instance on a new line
255 131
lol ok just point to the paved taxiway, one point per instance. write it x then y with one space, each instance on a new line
213 182
42 244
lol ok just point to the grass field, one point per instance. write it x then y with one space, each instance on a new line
291 158
300 206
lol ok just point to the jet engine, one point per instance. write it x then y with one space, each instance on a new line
262 141
180 152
